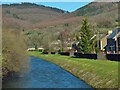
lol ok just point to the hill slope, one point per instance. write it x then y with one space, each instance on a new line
95 8
26 14
103 14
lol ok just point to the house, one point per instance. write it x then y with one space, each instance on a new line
31 49
103 40
119 43
113 41
75 47
40 49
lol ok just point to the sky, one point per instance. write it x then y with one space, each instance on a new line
67 6
46 0
64 5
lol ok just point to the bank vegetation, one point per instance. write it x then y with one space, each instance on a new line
14 57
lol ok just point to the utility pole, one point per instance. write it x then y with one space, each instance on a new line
117 41
98 41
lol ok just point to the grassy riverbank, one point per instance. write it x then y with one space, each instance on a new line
98 74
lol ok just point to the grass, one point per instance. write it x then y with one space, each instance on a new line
97 73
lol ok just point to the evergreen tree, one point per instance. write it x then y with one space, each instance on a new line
86 40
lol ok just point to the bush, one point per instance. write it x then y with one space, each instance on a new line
14 55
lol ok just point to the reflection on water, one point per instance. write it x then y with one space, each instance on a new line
44 74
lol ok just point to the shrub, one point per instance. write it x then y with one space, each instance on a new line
14 55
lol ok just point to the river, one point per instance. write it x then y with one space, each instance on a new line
44 74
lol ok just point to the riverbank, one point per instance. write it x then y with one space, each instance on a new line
44 74
98 74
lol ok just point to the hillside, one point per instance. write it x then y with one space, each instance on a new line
27 14
95 8
98 12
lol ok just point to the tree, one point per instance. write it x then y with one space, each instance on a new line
65 38
35 38
86 40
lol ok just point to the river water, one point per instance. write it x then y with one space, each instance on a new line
44 74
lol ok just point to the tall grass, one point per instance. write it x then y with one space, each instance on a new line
13 52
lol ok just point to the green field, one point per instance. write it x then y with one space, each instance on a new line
97 73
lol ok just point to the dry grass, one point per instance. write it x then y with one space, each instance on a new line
14 55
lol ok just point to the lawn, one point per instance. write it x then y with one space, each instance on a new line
96 73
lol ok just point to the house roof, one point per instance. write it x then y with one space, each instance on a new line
113 34
103 36
119 34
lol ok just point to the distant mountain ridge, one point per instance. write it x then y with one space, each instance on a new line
27 14
33 5
95 8
101 14
30 15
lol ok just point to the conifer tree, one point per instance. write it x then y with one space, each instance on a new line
86 40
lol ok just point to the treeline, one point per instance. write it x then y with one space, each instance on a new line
14 57
82 40
33 5
95 8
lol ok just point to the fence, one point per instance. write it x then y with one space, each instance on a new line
65 53
113 57
89 56
45 53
